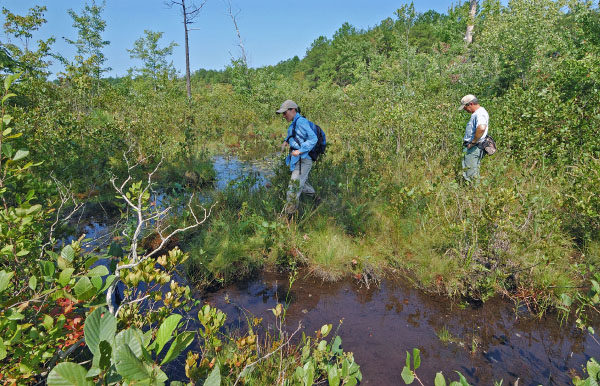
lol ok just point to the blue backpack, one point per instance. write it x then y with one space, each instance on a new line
321 144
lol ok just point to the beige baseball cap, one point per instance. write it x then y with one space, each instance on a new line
289 104
466 100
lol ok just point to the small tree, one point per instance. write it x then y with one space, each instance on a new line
154 58
21 28
89 43
189 12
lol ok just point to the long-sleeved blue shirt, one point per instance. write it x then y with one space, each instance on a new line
307 139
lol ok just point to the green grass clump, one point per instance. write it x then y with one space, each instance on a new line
194 171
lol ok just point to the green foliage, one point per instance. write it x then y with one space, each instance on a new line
154 58
593 374
89 43
22 28
123 356
390 181
409 374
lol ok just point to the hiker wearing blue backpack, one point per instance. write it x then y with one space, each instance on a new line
302 138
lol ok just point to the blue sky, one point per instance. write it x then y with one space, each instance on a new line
271 30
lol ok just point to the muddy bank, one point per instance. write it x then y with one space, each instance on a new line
486 343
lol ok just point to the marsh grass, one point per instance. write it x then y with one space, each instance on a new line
188 171
505 236
445 336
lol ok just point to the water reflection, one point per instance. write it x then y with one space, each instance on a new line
380 325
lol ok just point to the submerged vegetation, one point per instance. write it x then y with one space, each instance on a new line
393 201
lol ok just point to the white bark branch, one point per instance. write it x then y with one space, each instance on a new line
143 219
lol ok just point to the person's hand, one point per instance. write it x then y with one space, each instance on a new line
284 145
470 145
296 153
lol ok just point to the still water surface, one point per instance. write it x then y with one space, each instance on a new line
487 343
381 324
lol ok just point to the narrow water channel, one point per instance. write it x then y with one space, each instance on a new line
485 343
381 324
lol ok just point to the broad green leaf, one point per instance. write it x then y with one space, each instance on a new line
33 282
65 276
6 119
309 374
593 368
179 344
439 380
99 270
566 300
89 262
9 80
463 380
109 280
146 339
100 325
7 149
68 253
407 375
351 382
3 351
130 366
416 358
93 372
14 315
131 337
96 282
5 279
214 379
47 268
7 97
48 322
68 374
333 375
34 209
7 132
322 345
23 252
20 154
83 288
336 346
165 331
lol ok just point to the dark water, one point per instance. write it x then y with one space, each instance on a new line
381 324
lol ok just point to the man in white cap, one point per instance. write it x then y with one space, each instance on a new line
475 132
300 139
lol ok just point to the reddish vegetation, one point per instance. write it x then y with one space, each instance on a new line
153 241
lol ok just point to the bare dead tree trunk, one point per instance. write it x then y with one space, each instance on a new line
471 25
189 13
188 78
237 30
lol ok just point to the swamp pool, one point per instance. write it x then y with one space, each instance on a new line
486 343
